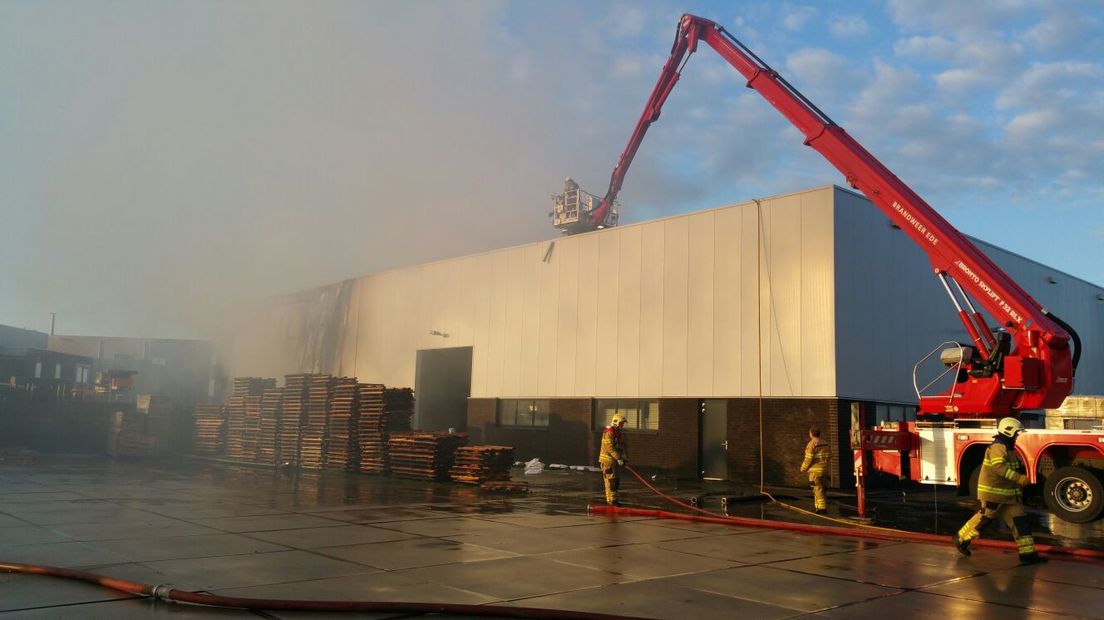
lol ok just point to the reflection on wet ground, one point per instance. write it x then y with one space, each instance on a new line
262 532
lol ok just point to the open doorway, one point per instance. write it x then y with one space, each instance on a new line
442 384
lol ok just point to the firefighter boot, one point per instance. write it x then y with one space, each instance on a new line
963 546
1032 558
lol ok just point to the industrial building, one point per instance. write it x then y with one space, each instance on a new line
723 334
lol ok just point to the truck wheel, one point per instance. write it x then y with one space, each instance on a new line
1074 494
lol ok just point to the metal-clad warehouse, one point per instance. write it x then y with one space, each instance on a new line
709 329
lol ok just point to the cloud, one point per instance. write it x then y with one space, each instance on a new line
824 76
954 16
627 66
795 17
1077 31
625 20
848 27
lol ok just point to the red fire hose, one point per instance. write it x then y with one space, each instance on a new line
860 531
169 594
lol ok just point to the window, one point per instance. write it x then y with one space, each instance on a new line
892 413
38 370
522 413
640 415
57 371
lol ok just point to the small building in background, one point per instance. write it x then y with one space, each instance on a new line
180 370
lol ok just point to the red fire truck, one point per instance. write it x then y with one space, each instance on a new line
1026 364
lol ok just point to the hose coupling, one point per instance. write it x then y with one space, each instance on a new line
162 591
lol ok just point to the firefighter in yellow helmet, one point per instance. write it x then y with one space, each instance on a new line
611 457
816 460
999 491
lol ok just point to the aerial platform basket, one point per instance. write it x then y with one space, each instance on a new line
571 210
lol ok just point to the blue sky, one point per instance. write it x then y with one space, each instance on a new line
162 162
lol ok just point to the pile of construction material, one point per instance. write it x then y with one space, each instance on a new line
291 417
342 449
251 427
236 416
210 426
383 411
424 456
313 430
317 420
479 464
268 432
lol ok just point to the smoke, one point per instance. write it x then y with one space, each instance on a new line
174 164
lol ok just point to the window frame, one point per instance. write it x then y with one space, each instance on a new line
538 413
635 410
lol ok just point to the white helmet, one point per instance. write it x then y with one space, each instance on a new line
1009 427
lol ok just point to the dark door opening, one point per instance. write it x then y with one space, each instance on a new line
442 384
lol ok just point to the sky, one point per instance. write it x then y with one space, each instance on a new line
165 164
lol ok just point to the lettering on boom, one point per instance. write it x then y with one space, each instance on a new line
920 228
985 288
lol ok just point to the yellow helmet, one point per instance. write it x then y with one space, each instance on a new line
1009 427
616 420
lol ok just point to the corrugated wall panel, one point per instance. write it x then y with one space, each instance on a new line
482 266
568 316
496 345
755 321
629 313
669 308
513 320
587 311
817 343
728 318
676 266
609 285
782 273
651 309
530 321
548 344
700 324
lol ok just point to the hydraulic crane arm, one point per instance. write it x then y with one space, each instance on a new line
995 378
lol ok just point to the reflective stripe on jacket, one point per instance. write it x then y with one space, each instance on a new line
613 445
817 456
1000 479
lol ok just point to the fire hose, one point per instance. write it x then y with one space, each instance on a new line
167 593
857 530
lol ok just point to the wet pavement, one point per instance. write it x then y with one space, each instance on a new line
257 532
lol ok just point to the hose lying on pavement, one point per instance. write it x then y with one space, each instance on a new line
167 593
860 531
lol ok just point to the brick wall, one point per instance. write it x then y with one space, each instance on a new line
672 449
786 424
567 439
570 438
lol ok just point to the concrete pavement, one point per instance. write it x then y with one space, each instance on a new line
255 532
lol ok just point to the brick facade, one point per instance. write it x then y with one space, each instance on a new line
571 439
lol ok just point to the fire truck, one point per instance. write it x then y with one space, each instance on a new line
1027 363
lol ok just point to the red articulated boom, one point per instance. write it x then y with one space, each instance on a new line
1029 366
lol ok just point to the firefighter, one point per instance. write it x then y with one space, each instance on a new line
816 460
611 457
999 491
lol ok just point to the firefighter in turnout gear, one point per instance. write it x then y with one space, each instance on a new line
816 460
999 491
611 457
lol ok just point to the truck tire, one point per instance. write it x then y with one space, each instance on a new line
1074 494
